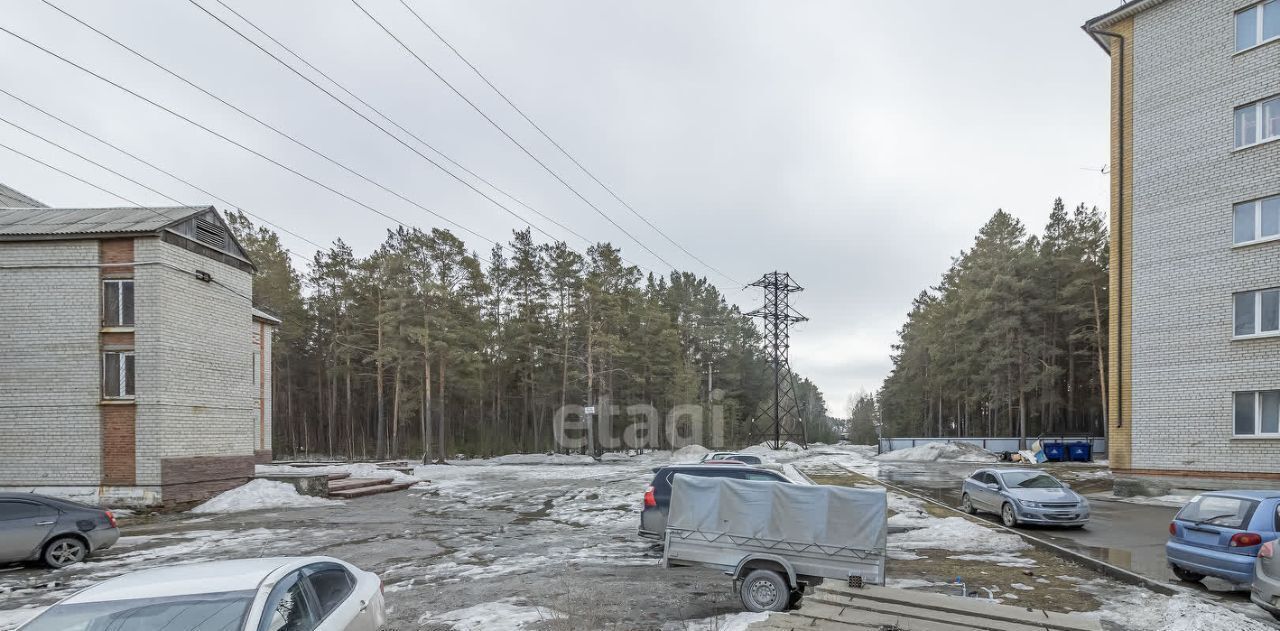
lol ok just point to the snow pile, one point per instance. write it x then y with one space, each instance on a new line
548 459
727 622
355 470
692 453
614 457
259 494
14 618
931 452
1003 559
1140 610
502 615
957 534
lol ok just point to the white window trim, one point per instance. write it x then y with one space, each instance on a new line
1257 222
123 380
1259 123
1258 40
1257 316
118 284
1257 415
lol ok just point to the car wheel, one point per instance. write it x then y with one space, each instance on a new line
764 590
1007 516
1187 575
63 552
966 505
1275 614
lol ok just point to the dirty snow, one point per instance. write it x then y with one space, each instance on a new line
356 470
1171 501
259 494
1003 559
502 615
930 452
1140 610
692 453
910 583
957 534
13 618
727 622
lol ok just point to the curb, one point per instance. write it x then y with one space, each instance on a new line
1102 567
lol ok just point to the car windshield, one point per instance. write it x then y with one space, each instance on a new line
1230 512
1029 480
199 612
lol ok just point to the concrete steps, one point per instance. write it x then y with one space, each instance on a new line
360 487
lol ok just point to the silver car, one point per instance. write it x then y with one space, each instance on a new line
1265 591
54 531
1024 496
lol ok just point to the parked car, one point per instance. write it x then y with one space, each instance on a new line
268 594
54 531
729 455
1219 534
657 497
1024 496
1265 591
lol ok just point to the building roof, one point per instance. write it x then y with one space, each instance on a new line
15 198
259 314
20 223
1110 18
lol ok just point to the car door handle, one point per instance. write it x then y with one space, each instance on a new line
44 523
363 606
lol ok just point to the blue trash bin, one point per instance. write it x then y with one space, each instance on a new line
1081 452
1055 452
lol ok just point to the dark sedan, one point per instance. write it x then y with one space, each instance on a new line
657 498
54 531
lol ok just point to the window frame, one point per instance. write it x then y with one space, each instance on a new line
123 375
1257 315
1259 23
1257 415
119 284
1263 135
285 584
1256 204
315 568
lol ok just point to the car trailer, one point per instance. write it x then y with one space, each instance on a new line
776 540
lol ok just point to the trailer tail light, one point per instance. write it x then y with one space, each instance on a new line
1245 540
1268 550
649 500
111 519
1173 529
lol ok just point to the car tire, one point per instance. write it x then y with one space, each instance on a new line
1275 614
966 505
764 590
64 551
1187 576
1007 516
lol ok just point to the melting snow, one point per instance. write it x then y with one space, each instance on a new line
502 615
929 452
957 534
727 622
259 494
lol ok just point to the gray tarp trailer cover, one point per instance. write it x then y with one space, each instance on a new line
808 531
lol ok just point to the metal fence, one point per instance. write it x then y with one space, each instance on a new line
997 445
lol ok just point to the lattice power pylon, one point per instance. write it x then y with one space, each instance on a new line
780 420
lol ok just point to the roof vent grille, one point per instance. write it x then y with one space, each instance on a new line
211 233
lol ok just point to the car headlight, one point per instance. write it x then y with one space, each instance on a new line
1029 504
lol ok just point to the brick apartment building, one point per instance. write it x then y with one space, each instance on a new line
134 369
1194 379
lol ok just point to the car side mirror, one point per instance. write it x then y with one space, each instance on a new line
1065 485
993 486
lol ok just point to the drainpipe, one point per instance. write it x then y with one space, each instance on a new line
1119 236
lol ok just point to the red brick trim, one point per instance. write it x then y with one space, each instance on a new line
116 251
117 341
119 453
262 456
1191 473
198 478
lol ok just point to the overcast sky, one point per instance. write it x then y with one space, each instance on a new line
858 145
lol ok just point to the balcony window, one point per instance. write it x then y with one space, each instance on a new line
1257 24
1258 122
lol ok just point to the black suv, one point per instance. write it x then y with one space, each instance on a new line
657 498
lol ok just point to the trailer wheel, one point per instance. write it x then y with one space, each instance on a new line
764 590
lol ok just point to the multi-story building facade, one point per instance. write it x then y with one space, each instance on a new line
134 369
1194 367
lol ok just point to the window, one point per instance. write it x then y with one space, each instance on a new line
1257 24
220 610
117 303
1257 220
12 510
117 375
1229 512
331 584
1257 413
288 607
1257 312
1258 122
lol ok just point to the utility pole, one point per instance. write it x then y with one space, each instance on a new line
779 422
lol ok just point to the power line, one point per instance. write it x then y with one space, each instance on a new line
388 133
135 157
221 136
256 120
558 145
392 121
77 178
509 136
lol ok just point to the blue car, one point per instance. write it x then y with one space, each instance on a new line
1219 534
1024 496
